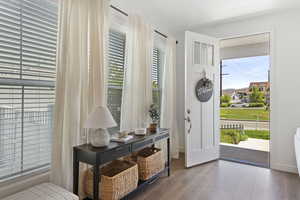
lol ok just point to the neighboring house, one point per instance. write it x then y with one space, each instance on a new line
242 95
262 87
235 97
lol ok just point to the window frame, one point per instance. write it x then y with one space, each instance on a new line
29 78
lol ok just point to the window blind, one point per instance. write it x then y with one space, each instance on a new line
156 68
156 77
117 41
28 34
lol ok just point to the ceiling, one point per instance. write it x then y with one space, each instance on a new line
176 15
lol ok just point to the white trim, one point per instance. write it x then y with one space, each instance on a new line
272 91
285 168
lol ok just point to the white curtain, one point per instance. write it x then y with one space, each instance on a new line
168 104
80 83
137 89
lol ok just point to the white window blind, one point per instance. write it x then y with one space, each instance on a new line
117 41
156 77
28 33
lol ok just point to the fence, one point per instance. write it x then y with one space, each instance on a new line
238 127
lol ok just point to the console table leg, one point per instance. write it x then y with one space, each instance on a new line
96 182
75 173
169 157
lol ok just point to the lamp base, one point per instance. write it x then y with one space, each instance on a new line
100 138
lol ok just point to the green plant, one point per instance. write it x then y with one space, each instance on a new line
154 113
225 98
225 105
243 137
256 96
232 136
256 105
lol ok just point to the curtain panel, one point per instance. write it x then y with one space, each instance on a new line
137 88
168 101
80 82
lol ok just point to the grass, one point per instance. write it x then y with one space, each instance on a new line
244 114
258 134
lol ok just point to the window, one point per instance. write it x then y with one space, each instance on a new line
28 34
156 72
117 41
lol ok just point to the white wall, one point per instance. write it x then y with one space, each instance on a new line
285 78
242 51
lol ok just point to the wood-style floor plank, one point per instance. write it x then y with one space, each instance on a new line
223 180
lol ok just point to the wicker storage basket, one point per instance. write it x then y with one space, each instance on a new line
117 179
149 162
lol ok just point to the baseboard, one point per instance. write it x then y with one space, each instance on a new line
285 168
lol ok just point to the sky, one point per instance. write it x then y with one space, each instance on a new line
242 71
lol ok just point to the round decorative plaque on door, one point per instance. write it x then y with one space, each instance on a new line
204 89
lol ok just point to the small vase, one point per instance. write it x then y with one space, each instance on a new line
153 127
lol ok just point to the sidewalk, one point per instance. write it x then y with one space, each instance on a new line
252 143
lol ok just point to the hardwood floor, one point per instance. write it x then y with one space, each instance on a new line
223 180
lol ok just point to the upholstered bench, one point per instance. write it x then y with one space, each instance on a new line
44 191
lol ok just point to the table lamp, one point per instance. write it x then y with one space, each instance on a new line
100 119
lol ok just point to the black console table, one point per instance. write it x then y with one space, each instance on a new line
98 156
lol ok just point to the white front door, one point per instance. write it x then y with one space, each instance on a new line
202 97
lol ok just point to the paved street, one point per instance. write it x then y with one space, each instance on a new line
250 125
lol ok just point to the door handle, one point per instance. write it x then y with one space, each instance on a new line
188 119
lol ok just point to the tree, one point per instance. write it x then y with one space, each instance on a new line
225 98
256 96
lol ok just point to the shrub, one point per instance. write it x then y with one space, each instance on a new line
235 137
256 105
243 137
232 136
225 105
225 98
256 96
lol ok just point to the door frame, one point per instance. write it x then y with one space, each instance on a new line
272 68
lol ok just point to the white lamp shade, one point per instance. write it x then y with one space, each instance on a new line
100 118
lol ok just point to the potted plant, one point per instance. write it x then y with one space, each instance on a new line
154 114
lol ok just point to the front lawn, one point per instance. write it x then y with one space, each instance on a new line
244 114
232 136
258 134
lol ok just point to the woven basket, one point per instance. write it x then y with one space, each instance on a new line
149 162
117 179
